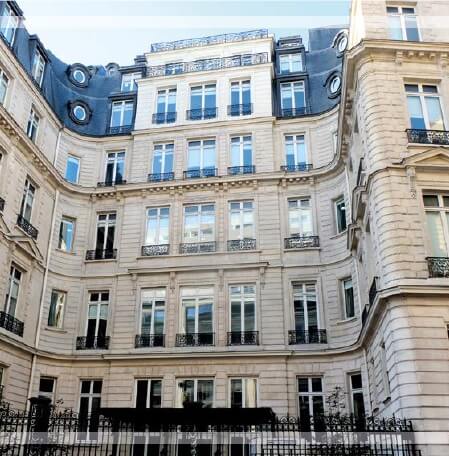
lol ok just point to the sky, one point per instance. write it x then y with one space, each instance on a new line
96 32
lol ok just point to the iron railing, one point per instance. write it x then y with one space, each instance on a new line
161 177
197 247
155 250
194 339
301 242
26 226
111 183
298 167
120 130
294 112
240 109
164 117
198 173
11 324
312 336
92 343
2 204
241 244
150 340
101 254
243 338
438 266
201 114
247 169
437 137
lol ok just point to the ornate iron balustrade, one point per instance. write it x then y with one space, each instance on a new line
2 204
197 247
243 338
195 339
438 266
240 109
313 336
301 242
164 117
11 324
120 130
295 112
111 183
150 340
235 170
372 291
198 173
202 114
241 244
438 137
99 254
208 64
298 167
161 177
209 40
27 227
155 250
92 343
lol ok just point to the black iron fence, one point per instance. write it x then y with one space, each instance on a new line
10 323
27 227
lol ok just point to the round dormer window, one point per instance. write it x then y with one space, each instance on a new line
80 112
79 76
342 43
335 84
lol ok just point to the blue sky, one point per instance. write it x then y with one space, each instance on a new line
102 31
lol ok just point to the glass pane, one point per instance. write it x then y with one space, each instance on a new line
435 227
286 97
416 113
236 316
434 113
190 320
205 318
303 385
318 406
194 159
316 385
196 98
300 324
411 26
236 393
250 316
251 392
206 392
312 314
430 200
168 165
394 25
159 321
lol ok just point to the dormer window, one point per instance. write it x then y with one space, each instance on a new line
9 24
129 82
38 68
293 101
290 63
122 113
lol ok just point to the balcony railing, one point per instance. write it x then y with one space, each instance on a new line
438 266
120 130
301 242
437 137
235 170
298 167
202 114
198 173
208 64
99 254
11 324
2 204
164 117
161 177
111 183
27 227
92 343
194 339
241 244
240 109
243 338
294 112
197 247
155 250
150 340
313 336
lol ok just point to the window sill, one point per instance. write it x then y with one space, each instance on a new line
346 320
338 235
55 330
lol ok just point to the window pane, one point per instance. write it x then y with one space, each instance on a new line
394 25
435 227
434 113
415 112
411 26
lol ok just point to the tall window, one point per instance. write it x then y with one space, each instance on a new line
166 105
163 160
153 311
9 23
340 214
241 220
4 81
243 392
89 411
385 372
195 390
300 217
424 107
201 156
240 98
33 125
122 113
129 81
243 308
115 168
12 292
97 318
403 23
158 219
148 393
197 311
26 207
199 223
348 298
203 102
437 218
56 310
105 232
310 398
293 99
66 232
306 310
72 170
357 402
242 154
47 387
295 152
38 68
290 63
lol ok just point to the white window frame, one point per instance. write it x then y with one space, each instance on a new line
243 298
108 222
290 59
130 78
32 130
304 295
402 16
28 198
9 20
298 139
59 308
195 389
163 149
241 213
90 396
300 208
310 393
122 108
197 295
154 306
149 381
115 157
4 83
98 304
200 224
241 142
343 291
66 221
159 217
77 160
13 281
442 210
337 203
244 381
203 94
291 85
353 391
203 147
38 68
239 84
165 93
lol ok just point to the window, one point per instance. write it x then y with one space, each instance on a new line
38 68
290 63
47 387
33 125
9 23
197 312
241 220
158 219
115 167
243 308
243 392
403 23
240 98
195 390
242 153
26 207
72 169
163 160
66 232
4 81
97 318
89 409
122 113
153 311
12 292
348 297
201 156
129 81
166 105
300 217
148 393
203 102
199 223
79 76
105 232
310 398
424 107
56 310
437 219
293 98
340 214
357 402
295 152
385 373
306 311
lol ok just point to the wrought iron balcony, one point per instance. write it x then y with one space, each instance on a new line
313 336
298 167
194 339
301 242
240 109
155 250
161 177
294 112
164 117
235 170
92 343
2 204
150 340
111 183
120 130
241 244
438 266
202 114
438 137
99 254
11 324
208 64
198 173
197 247
243 338
27 227
373 291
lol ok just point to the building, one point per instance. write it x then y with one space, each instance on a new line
233 220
